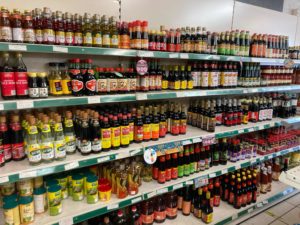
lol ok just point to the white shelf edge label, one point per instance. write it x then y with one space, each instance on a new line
251 129
259 205
4 179
122 155
94 99
24 104
184 55
173 55
189 182
240 131
27 174
250 210
112 206
212 175
237 167
234 216
66 221
186 142
265 202
17 47
180 94
145 54
1 107
197 140
71 165
270 156
134 152
60 49
162 191
151 194
103 159
224 171
215 57
177 186
135 200
141 96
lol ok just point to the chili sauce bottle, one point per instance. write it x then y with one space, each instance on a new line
106 139
139 128
159 209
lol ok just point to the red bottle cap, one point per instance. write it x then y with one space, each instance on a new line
145 23
89 61
76 60
120 213
124 117
105 119
138 23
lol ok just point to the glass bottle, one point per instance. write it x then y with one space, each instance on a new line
69 133
114 39
21 78
29 34
60 36
47 147
5 26
16 24
59 139
97 33
47 27
32 141
8 86
87 30
105 32
159 209
17 139
38 25
78 37
69 29
186 203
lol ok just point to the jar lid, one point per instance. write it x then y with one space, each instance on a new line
91 178
10 203
42 74
77 176
61 176
49 183
8 198
25 200
39 191
54 188
31 74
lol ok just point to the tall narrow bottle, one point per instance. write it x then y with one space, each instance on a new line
59 140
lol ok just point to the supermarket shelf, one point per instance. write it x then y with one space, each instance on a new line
84 211
291 177
15 171
72 101
39 48
225 213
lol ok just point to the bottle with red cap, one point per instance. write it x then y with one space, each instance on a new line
8 86
89 79
21 78
134 216
121 218
77 79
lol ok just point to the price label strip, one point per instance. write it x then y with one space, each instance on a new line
208 140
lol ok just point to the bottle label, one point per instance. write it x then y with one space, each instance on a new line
48 35
77 85
91 85
162 128
114 41
146 131
2 157
165 84
59 149
115 136
85 146
34 92
183 84
124 135
47 150
38 35
145 44
5 33
21 80
125 41
43 92
217 200
96 145
34 153
122 84
145 83
180 171
66 86
106 137
132 84
152 45
87 38
29 35
131 131
78 38
239 201
176 85
207 218
155 130
7 152
152 83
97 39
17 34
139 133
69 37
161 176
182 128
174 172
70 143
204 79
8 87
18 151
171 212
113 85
106 40
175 126
147 219
102 85
231 198
160 215
60 37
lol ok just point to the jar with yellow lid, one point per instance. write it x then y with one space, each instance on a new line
33 85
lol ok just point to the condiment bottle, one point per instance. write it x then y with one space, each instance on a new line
69 133
95 133
60 36
5 140
47 27
78 86
69 29
139 128
114 39
159 209
125 139
29 34
121 181
171 205
42 85
97 33
147 212
186 203
21 78
16 24
89 79
87 30
133 185
161 170
179 199
106 36
8 85
134 216
47 146
5 26
125 36
17 140
33 85
78 39
33 148
59 139
145 40
106 135
207 211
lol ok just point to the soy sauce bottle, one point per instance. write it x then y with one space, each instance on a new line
17 140
78 85
89 79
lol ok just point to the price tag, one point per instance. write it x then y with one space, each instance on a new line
212 175
103 159
151 194
208 140
4 179
135 200
224 171
186 142
285 192
252 161
184 55
66 221
162 191
1 107
251 129
180 94
177 186
265 202
94 100
24 104
250 210
27 174
199 182
135 152
141 96
145 54
60 49
17 47
122 155
270 157
173 55
278 153
113 206
189 182
241 131
237 167
234 216
259 205
197 140
245 91
71 165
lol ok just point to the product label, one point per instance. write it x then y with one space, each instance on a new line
87 38
124 135
97 39
132 84
144 85
115 136
34 153
125 41
33 92
29 35
159 215
66 87
43 92
113 85
70 143
8 87
155 130
7 152
147 132
18 151
106 138
78 38
139 133
77 85
91 85
147 219
106 40
17 34
48 35
69 37
47 149
59 149
5 33
60 37
102 85
96 145
85 146
204 79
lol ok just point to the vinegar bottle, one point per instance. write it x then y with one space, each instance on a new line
21 78
8 86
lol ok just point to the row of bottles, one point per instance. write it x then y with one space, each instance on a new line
47 27
276 75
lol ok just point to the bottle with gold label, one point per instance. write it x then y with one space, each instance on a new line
106 135
60 36
164 81
182 78
105 32
33 148
47 27
115 133
155 125
207 210
65 80
78 30
55 80
59 139
47 147
97 34
189 78
87 30
147 125
176 79
114 34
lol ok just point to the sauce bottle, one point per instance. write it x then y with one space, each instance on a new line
59 139
134 216
115 133
33 148
159 209
5 26
139 128
69 29
125 139
161 170
89 79
16 24
5 137
174 166
105 32
106 135
85 143
33 89
21 78
120 220
87 30
147 213
133 175
144 36
175 122
207 211
152 40
65 80
171 205
17 139
60 36
69 133
114 35
97 33
186 203
38 26
147 126
29 34
47 27
8 86
47 147
78 39
78 86
168 167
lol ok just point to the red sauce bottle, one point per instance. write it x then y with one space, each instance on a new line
60 37
162 170
147 213
17 140
16 24
4 136
69 29
38 26
78 30
168 167
29 35
47 27
159 210
8 86
21 78
171 205
5 26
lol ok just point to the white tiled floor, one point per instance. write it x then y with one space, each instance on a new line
284 213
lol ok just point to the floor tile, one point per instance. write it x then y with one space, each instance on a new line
259 218
295 200
280 209
278 222
292 217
